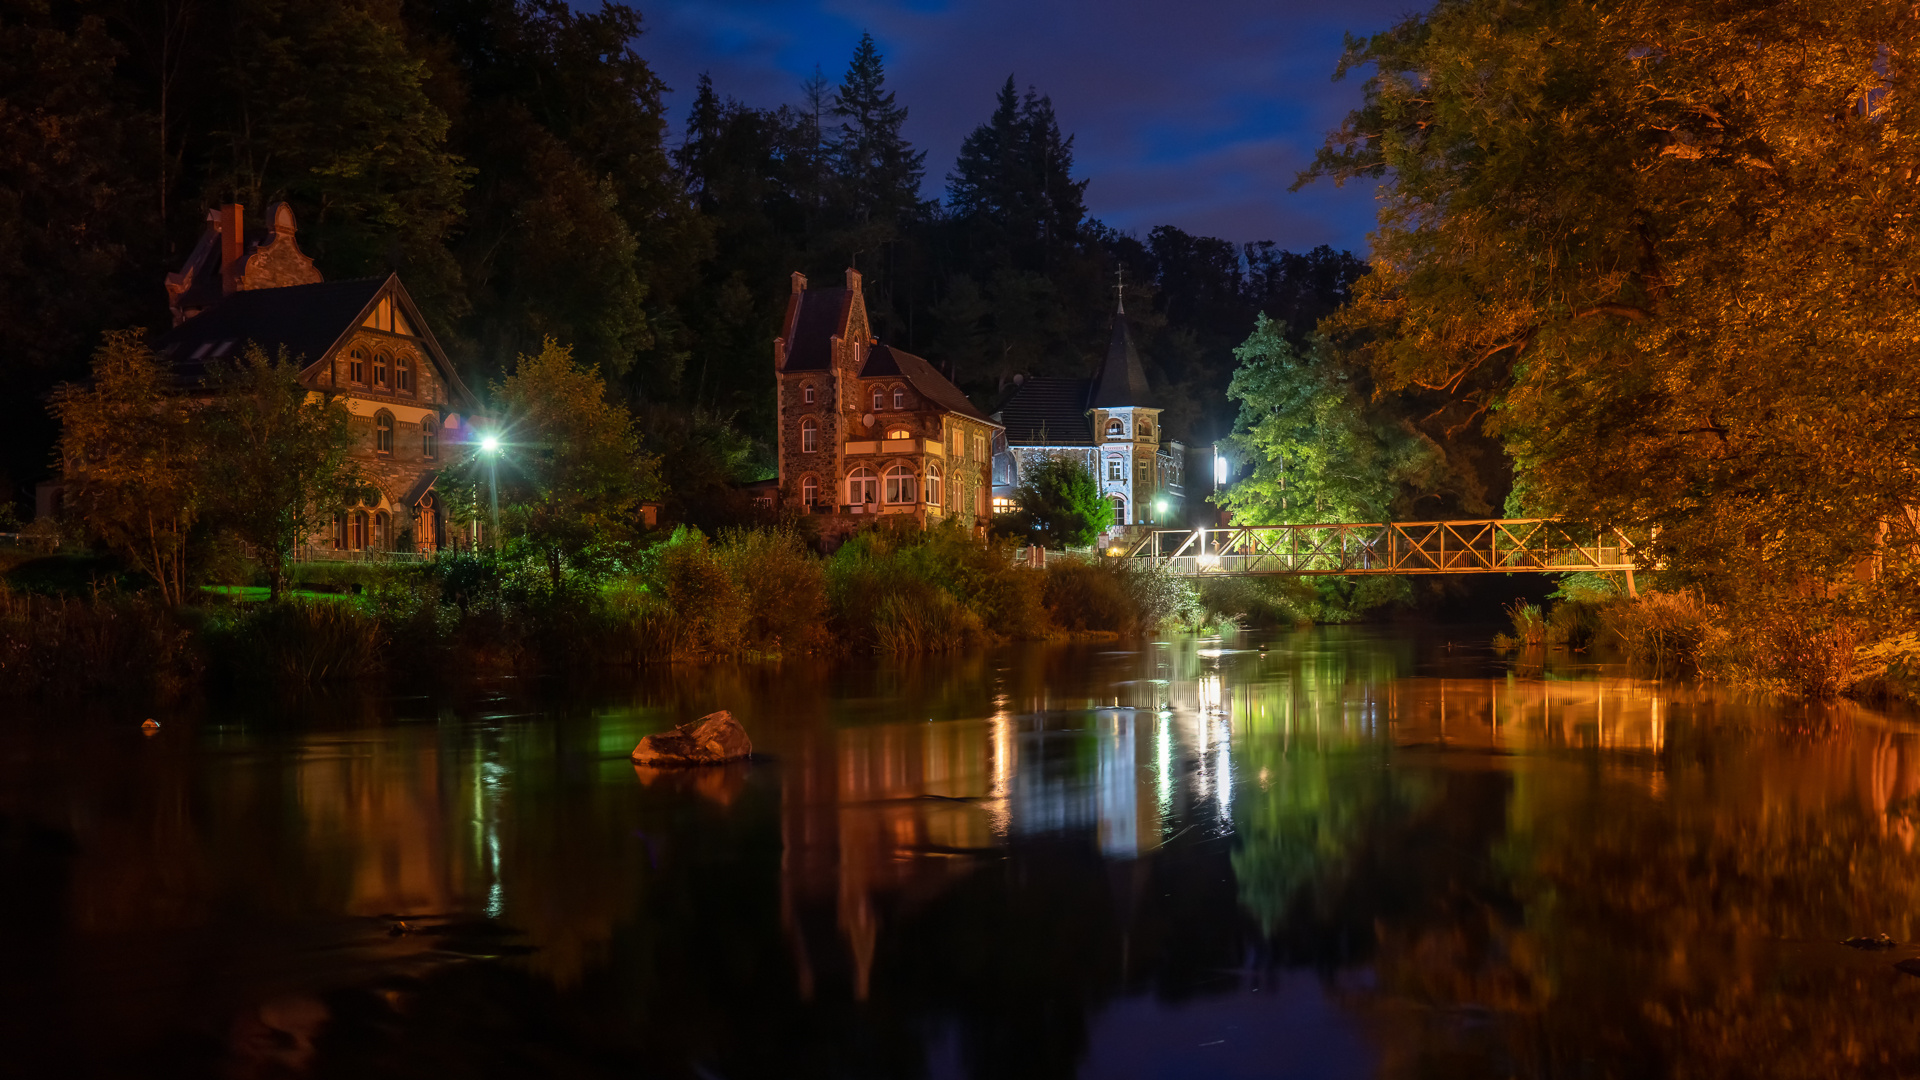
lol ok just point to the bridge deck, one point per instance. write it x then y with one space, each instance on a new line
1490 546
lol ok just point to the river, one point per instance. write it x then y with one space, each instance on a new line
1321 853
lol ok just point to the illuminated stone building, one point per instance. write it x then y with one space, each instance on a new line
362 340
1109 424
867 428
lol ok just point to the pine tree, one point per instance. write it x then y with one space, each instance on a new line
878 172
1012 187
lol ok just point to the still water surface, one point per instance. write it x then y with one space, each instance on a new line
1350 854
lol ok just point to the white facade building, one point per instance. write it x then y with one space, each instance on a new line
1109 424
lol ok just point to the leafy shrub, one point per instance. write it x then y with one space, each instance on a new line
1664 631
784 587
1091 595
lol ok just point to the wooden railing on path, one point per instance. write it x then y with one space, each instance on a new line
1490 546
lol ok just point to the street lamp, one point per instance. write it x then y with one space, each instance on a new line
490 446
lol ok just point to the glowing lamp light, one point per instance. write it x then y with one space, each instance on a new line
1208 560
1159 506
1219 470
490 444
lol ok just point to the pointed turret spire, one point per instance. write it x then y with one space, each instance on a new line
1122 382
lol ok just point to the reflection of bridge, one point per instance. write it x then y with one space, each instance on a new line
1493 546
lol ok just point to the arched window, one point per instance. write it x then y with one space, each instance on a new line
879 399
403 375
340 531
1116 428
899 398
900 485
862 486
357 366
357 530
426 535
429 438
1116 468
933 486
381 362
383 432
809 491
1146 429
383 531
899 433
809 435
1119 510
806 393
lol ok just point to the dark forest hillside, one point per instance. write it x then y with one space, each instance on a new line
516 164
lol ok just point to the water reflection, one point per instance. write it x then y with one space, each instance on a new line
1183 857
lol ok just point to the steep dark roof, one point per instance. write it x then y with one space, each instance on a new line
307 319
1122 382
823 312
884 361
1048 412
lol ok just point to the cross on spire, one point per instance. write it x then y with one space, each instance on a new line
1120 290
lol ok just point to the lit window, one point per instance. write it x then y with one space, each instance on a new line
862 487
979 448
809 491
1119 511
429 438
383 432
899 433
382 531
1116 429
1116 469
806 393
879 399
357 530
1002 505
809 436
380 364
933 485
403 375
899 398
900 484
357 367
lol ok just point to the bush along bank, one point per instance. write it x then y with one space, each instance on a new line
744 594
1793 641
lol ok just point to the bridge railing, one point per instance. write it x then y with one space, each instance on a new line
1490 546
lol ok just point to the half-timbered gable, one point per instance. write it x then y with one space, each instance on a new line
363 340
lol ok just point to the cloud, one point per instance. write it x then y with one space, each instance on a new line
1193 115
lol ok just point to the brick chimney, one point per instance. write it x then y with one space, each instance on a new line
799 281
853 280
232 247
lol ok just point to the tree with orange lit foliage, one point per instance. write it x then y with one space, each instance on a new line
1670 253
133 461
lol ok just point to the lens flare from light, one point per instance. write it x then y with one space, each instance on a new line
490 444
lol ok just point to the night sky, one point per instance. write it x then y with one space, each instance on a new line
1190 114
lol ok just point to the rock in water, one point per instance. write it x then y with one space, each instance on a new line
1910 966
1878 941
710 740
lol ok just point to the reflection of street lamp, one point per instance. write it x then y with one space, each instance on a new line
490 446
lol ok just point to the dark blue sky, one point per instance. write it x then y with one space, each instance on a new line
1193 114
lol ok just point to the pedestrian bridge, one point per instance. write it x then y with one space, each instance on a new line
1491 546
